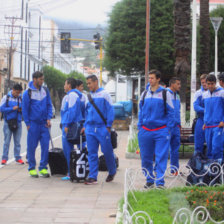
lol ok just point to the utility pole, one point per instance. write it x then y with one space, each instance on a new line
11 33
147 41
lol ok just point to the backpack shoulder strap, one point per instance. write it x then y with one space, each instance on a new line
29 93
164 99
7 100
143 97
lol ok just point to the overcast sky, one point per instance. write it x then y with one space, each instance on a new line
88 11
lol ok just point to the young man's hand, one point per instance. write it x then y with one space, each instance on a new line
221 124
15 108
48 123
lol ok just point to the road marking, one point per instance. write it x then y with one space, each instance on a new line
23 154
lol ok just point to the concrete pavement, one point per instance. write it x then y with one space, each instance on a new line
27 200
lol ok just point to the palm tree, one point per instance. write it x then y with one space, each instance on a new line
204 36
182 32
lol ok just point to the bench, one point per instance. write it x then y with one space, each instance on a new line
186 137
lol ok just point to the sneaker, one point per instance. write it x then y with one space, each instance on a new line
160 186
148 185
65 178
110 178
33 173
90 181
4 161
44 173
20 161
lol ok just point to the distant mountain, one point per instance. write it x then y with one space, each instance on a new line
79 30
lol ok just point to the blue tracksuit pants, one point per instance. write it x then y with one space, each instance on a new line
67 148
36 133
214 140
199 135
94 137
174 148
157 142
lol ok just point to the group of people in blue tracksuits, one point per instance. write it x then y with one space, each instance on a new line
159 128
35 107
76 108
159 125
209 105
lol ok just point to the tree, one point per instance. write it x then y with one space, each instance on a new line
219 12
182 31
125 40
204 36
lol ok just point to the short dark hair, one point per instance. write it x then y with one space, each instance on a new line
221 77
92 77
156 73
72 82
79 82
173 80
162 83
17 86
211 78
37 75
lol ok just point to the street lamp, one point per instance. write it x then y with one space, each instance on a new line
216 22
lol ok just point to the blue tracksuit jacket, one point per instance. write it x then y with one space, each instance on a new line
96 132
8 111
37 109
153 140
38 106
70 113
103 101
175 132
82 102
199 133
213 115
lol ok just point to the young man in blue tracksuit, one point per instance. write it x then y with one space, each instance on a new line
199 133
97 132
174 88
70 113
37 114
156 118
213 102
11 108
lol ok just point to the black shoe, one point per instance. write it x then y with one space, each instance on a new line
90 181
110 177
148 185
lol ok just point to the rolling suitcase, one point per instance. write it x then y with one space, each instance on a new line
57 161
79 166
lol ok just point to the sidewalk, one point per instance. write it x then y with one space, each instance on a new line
27 200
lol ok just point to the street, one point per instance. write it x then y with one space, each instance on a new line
55 131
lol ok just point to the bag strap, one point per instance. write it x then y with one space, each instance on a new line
97 109
164 100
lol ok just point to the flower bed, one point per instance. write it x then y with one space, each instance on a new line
162 205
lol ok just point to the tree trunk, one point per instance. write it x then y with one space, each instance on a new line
204 36
182 31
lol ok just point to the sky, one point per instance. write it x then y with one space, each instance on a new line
85 11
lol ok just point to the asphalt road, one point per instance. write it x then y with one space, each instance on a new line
55 132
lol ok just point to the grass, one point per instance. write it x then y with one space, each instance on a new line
133 144
162 205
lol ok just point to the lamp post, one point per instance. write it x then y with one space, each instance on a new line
216 22
193 59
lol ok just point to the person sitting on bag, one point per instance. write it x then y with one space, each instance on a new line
11 109
70 113
37 114
97 132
